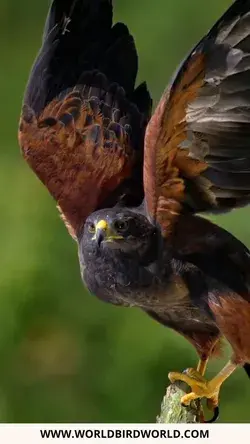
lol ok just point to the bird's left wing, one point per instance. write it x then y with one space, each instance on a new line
83 122
197 145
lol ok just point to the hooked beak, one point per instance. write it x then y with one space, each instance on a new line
103 232
99 237
100 231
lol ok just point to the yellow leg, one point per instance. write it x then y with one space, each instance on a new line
202 366
200 387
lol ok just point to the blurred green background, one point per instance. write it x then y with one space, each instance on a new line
64 355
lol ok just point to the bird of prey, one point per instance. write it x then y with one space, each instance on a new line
130 186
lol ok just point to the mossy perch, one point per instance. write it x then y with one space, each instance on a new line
172 412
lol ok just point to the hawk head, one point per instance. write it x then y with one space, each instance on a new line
118 229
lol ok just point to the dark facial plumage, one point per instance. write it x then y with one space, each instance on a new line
118 229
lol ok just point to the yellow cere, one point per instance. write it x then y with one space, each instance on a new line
102 225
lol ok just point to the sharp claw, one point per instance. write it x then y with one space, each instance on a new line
200 388
215 415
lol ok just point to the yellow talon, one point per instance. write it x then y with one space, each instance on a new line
195 380
201 388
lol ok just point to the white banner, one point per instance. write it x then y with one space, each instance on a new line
119 433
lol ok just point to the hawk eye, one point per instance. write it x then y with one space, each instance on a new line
91 228
120 225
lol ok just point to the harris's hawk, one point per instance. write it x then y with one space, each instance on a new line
129 187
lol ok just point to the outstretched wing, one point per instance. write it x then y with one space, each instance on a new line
197 146
83 123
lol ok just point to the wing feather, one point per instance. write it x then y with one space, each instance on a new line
83 122
197 149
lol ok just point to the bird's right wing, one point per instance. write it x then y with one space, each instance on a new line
197 147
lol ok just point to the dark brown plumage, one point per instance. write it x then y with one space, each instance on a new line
129 188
